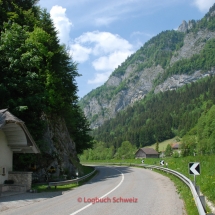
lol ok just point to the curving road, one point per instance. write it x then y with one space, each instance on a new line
115 191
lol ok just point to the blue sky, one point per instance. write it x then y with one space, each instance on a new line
101 34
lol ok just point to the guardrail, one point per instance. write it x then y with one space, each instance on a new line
199 200
60 183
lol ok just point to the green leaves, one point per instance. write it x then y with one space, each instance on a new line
125 151
162 117
36 73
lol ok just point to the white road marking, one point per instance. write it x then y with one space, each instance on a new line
103 195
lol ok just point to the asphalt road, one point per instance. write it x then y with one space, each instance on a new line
113 191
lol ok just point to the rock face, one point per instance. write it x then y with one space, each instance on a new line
137 78
177 81
60 148
183 27
137 86
193 44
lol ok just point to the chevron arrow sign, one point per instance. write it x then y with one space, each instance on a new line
162 162
194 168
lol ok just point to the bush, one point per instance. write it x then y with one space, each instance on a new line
176 154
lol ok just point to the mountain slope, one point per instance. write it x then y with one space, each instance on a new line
167 61
159 117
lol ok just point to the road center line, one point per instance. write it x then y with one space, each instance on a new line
103 195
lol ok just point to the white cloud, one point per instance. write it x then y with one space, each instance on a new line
98 44
111 61
105 50
99 78
79 53
103 42
61 22
204 5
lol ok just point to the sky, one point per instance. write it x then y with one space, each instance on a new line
101 34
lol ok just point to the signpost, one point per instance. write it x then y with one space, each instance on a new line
162 162
194 169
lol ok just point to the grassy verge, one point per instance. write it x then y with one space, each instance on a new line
44 187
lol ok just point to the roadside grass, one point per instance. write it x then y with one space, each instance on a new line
206 179
44 187
87 169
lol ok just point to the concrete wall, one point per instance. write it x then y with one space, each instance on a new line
6 157
21 178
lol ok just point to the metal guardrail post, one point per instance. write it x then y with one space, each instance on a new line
202 199
197 190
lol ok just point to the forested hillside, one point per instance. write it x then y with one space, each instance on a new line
37 76
171 54
187 113
159 117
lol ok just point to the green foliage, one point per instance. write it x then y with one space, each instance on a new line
189 143
101 151
78 128
203 61
160 117
160 48
207 22
206 132
168 151
163 116
37 75
200 139
125 151
157 51
157 146
176 154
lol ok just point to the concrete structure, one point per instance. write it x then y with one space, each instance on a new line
6 158
146 153
14 138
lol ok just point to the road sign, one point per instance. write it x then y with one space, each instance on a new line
162 162
142 161
194 168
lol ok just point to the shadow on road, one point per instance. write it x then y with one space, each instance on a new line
107 172
29 196
104 173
